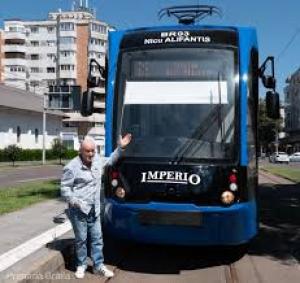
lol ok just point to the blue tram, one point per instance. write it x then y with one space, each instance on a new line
188 94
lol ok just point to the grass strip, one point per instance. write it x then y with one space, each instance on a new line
287 172
24 195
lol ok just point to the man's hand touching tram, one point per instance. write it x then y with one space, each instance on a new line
124 141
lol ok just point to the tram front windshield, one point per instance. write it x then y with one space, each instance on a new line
178 103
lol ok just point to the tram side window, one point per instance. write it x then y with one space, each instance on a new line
252 104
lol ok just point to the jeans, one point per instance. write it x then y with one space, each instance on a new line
87 226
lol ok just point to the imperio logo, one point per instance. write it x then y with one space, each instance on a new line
173 177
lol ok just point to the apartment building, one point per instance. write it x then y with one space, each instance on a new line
1 55
56 51
40 53
292 111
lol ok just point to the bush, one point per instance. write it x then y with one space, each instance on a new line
58 149
30 154
70 154
14 153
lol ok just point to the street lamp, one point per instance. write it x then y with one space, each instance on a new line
44 129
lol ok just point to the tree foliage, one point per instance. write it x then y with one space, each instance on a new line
58 149
12 152
267 128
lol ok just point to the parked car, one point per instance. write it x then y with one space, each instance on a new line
279 157
295 157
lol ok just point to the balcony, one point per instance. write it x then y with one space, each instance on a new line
14 62
15 35
66 33
14 48
34 63
99 35
15 76
96 48
68 74
67 46
71 60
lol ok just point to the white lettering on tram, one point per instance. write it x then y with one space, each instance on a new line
174 177
178 37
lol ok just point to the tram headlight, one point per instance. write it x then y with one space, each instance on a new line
120 192
227 197
114 182
233 187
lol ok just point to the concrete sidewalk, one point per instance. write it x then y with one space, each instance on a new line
26 231
22 225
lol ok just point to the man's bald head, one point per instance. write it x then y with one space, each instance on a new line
88 142
87 150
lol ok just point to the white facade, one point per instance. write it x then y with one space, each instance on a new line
25 129
21 120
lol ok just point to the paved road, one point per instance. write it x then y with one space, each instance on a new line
273 256
18 175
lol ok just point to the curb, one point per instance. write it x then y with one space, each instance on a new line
44 264
268 173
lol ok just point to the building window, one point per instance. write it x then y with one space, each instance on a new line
50 70
67 40
67 67
18 134
96 41
51 56
51 82
34 56
99 28
17 68
34 70
51 42
51 29
16 29
14 55
34 43
68 81
67 53
34 84
36 135
67 26
34 29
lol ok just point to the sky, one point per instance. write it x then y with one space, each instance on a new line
277 22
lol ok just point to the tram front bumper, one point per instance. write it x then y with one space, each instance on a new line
181 224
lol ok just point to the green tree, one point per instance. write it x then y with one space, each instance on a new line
58 149
267 128
13 153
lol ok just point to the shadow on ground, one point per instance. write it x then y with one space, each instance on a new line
279 235
278 238
155 259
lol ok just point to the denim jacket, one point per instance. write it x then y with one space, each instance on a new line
80 185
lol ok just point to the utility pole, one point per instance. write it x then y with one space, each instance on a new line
276 141
44 130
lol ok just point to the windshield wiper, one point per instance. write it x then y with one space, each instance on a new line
214 115
220 124
196 136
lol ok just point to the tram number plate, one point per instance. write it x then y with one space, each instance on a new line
147 217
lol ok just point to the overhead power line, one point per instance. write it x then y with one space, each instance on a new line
288 44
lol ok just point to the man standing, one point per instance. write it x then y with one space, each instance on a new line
80 187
